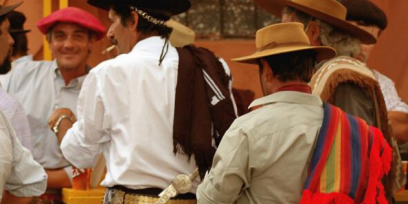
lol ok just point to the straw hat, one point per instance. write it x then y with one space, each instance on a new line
181 35
284 38
7 9
329 11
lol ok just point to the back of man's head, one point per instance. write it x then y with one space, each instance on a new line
366 12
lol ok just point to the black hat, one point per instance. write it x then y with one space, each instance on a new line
170 7
7 9
365 11
17 20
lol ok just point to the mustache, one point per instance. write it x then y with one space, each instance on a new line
114 41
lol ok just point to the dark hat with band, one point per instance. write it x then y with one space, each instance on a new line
17 20
365 11
169 7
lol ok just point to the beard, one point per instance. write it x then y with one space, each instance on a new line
6 66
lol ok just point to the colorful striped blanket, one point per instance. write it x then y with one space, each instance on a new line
348 162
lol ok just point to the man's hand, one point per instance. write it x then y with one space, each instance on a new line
58 113
65 124
399 124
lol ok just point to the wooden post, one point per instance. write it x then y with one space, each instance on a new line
63 4
47 9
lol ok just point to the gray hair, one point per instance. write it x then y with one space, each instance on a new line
345 44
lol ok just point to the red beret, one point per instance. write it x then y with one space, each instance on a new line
76 16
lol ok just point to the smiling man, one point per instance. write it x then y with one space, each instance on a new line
47 87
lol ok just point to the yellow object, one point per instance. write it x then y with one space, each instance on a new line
92 196
63 4
47 9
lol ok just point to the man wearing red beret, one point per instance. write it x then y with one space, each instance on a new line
47 87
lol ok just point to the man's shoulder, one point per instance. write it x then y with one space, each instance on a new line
27 68
123 61
8 104
280 116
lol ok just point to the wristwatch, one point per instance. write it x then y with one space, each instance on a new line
56 125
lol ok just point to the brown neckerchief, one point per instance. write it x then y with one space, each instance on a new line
197 120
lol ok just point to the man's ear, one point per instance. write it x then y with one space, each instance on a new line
267 72
313 32
133 24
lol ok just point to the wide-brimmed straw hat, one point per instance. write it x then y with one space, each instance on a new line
181 35
284 38
7 9
329 11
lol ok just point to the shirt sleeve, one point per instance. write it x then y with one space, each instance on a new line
355 101
19 121
5 158
230 174
391 97
27 178
83 142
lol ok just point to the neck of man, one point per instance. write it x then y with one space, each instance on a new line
70 74
279 84
17 56
145 36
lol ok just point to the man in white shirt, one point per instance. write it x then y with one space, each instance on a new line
127 107
43 87
21 178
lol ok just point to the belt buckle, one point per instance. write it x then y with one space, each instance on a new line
118 197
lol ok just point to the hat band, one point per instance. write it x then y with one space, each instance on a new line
274 45
148 17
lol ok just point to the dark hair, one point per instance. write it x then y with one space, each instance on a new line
292 66
143 26
20 44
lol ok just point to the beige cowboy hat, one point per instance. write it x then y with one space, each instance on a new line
329 11
181 35
284 38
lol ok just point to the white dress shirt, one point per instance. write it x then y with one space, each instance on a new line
126 110
17 117
264 156
40 88
19 173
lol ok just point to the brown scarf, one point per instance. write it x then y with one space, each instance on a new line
197 118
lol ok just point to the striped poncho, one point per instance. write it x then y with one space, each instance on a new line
348 162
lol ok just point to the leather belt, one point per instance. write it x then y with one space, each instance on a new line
131 196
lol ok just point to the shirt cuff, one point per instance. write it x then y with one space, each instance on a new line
207 194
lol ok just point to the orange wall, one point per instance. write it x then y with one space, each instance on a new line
389 56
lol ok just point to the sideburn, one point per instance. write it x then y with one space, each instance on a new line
6 66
